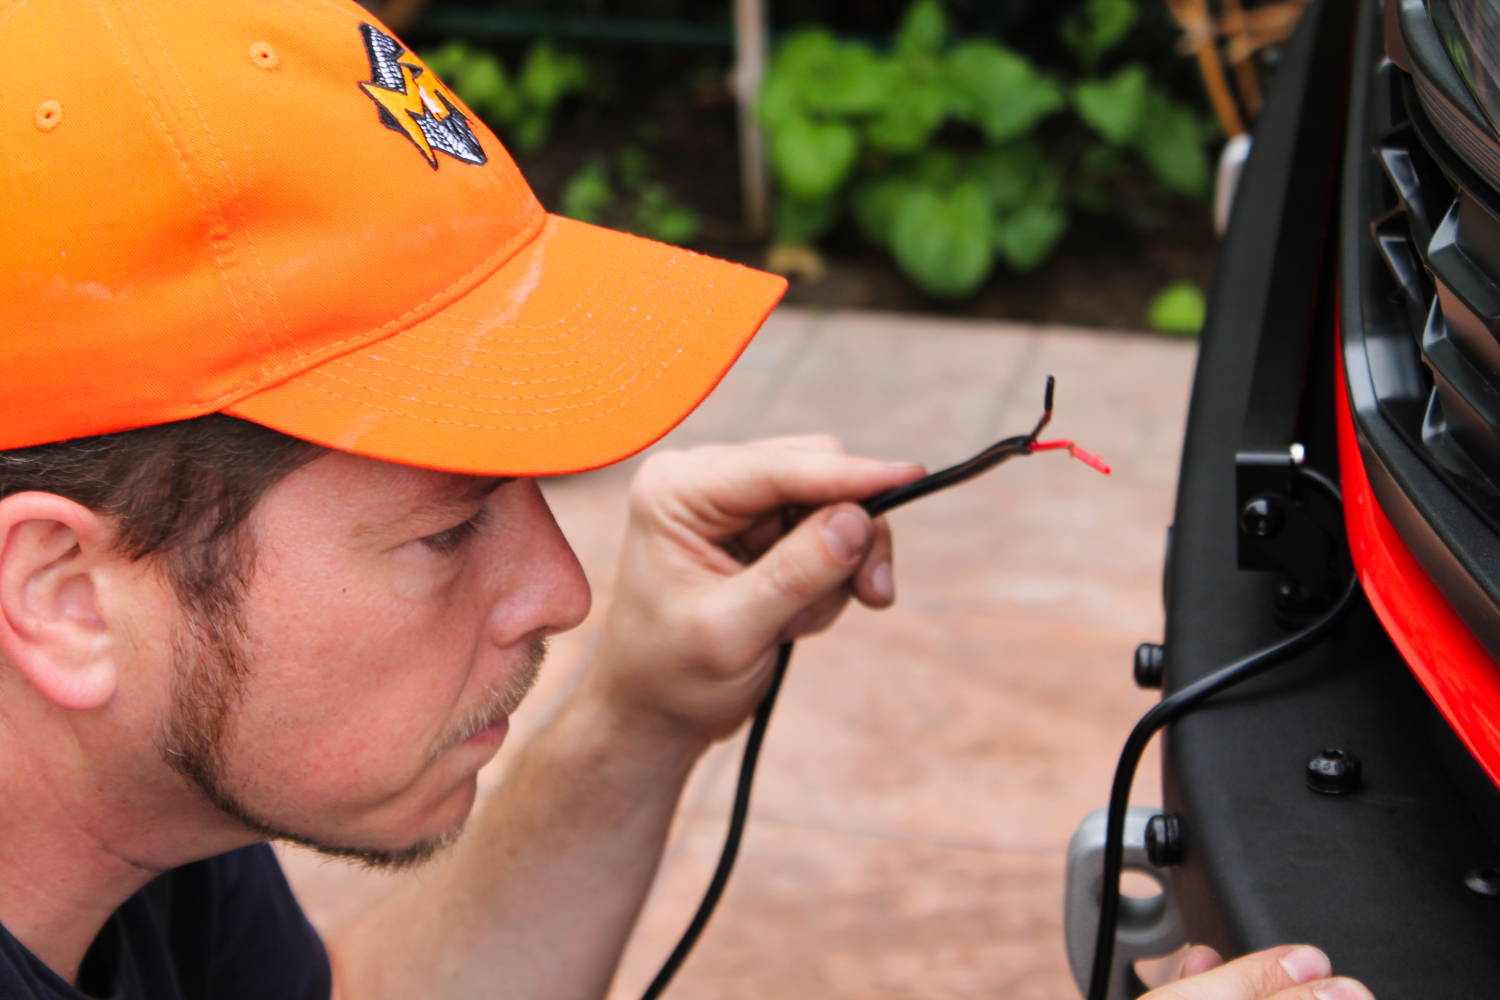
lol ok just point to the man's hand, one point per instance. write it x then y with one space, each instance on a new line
730 551
1291 972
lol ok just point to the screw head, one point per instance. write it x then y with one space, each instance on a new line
1484 882
1262 517
1164 839
1150 663
1335 771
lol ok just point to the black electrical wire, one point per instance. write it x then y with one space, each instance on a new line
1168 710
876 505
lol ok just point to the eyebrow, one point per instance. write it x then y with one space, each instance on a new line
451 500
470 491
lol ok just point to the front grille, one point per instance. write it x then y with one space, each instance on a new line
1439 236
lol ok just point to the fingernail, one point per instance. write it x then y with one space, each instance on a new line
847 534
882 583
1305 964
1341 989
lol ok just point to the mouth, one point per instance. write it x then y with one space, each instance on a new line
489 725
491 735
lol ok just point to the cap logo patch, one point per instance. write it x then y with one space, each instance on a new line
415 103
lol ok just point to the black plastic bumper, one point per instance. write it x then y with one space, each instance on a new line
1376 877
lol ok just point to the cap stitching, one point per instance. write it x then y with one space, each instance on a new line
581 350
665 344
182 158
305 362
582 299
243 238
607 310
664 261
620 349
17 8
366 404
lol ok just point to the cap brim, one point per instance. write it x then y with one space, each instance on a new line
582 349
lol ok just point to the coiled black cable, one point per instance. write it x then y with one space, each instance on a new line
876 505
1170 709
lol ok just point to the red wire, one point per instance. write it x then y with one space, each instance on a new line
1086 457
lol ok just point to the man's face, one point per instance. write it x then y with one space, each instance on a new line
394 617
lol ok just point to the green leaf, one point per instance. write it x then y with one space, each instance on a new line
1014 175
548 75
801 221
812 158
1171 141
875 201
999 90
1096 29
528 131
1027 236
937 167
828 75
661 216
779 101
447 58
923 30
855 81
941 239
1178 308
1115 105
908 120
588 194
632 166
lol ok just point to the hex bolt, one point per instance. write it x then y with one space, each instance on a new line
1335 771
1484 882
1164 840
1262 517
1150 664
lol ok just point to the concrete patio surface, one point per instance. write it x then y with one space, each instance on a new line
926 765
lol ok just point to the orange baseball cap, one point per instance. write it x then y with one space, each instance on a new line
272 209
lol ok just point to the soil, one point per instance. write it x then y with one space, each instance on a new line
1104 273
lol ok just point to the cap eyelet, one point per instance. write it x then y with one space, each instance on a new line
262 55
48 115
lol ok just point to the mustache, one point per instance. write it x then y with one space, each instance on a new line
500 700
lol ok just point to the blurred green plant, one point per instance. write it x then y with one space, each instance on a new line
1178 309
620 191
520 109
955 155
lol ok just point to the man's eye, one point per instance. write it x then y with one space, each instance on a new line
452 539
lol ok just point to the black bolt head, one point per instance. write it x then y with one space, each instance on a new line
1262 517
1150 664
1164 839
1335 771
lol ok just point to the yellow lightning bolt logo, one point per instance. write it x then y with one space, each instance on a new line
415 103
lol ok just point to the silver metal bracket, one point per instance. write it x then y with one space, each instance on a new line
1149 926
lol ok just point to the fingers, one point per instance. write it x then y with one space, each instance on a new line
1186 961
1327 989
743 483
874 583
804 572
1291 972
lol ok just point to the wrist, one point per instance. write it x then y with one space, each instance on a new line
626 724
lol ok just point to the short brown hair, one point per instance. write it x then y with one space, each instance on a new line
178 491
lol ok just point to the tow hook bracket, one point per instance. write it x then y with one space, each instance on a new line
1149 926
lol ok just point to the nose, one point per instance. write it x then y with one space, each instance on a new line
543 591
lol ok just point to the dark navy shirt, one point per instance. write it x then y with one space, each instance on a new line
227 928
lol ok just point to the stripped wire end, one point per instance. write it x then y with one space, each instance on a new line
1086 457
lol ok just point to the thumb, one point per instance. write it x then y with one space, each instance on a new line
810 562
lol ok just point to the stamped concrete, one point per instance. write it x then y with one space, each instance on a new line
926 764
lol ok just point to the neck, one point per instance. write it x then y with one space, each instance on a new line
77 840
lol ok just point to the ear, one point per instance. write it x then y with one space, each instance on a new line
53 555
